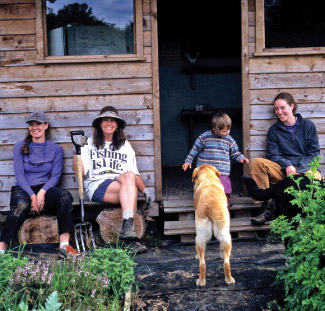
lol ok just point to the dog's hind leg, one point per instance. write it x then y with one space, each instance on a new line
200 250
225 243
221 252
203 234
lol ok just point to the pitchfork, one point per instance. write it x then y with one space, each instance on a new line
83 229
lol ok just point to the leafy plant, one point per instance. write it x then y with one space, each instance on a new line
96 282
78 288
32 282
118 264
304 278
51 304
8 265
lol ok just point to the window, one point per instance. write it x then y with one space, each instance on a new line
290 26
74 29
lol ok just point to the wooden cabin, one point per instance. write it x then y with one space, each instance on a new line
73 89
186 56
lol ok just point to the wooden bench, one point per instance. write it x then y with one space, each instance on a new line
93 208
242 209
43 229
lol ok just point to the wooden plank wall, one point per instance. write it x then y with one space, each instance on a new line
301 75
71 94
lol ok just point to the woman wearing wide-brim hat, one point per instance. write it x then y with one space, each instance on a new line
110 169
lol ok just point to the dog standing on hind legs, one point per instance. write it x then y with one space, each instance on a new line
211 217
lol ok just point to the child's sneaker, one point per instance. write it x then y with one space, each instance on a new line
66 251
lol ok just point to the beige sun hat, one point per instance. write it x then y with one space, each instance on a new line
109 114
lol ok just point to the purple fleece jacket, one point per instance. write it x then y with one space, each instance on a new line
42 166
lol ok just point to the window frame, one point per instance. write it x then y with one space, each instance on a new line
260 39
41 40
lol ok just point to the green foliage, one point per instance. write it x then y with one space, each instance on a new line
8 265
118 264
96 282
304 278
51 304
77 286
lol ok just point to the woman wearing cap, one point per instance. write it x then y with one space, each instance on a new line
37 167
110 169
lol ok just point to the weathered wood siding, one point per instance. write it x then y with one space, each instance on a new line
301 75
73 93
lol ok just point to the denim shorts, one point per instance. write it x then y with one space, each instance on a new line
99 193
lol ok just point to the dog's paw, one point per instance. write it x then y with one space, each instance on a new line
198 283
231 281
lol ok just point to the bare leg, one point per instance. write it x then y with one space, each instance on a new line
128 191
123 191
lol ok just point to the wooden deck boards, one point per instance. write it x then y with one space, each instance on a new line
241 210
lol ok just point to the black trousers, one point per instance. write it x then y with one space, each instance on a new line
57 202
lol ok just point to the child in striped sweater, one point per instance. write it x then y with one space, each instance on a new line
216 148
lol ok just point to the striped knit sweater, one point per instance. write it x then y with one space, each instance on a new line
215 151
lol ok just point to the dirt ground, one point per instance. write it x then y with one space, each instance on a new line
167 273
167 277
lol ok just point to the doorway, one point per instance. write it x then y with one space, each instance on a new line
199 68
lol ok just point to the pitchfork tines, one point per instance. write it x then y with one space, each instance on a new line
83 234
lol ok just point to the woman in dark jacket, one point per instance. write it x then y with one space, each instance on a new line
292 144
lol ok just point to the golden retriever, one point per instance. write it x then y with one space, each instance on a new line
211 216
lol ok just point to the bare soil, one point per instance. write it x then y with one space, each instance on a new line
167 277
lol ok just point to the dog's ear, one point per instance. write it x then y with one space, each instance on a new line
216 171
195 173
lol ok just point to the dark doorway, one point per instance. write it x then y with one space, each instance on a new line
199 68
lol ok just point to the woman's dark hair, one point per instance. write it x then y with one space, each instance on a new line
118 136
219 121
289 99
28 139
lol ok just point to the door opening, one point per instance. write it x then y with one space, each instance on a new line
199 69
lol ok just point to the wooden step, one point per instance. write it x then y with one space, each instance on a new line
186 206
188 226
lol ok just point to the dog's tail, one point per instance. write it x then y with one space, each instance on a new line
254 191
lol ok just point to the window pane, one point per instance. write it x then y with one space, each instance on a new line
294 23
89 27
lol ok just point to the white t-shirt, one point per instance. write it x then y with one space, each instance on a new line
101 164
